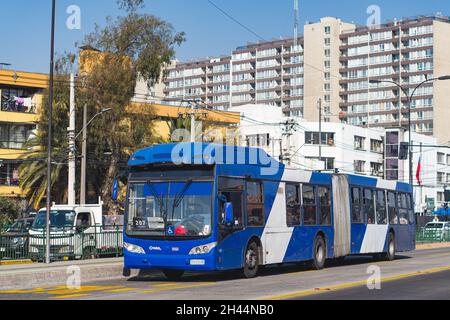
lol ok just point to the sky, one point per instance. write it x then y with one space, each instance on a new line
25 24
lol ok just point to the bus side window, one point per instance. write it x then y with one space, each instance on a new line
392 208
369 207
324 206
293 205
233 191
357 215
381 207
309 206
255 204
402 209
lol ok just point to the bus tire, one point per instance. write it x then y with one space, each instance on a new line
173 275
390 254
319 253
251 261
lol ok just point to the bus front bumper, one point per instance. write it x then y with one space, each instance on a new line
204 262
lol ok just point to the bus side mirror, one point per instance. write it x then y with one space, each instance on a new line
115 190
229 216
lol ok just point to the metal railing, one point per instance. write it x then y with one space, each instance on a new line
432 235
91 243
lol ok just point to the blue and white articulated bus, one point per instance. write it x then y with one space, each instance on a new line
205 207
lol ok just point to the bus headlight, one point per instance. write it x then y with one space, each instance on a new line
203 249
133 248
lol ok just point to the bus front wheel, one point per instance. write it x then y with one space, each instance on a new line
251 261
320 254
173 275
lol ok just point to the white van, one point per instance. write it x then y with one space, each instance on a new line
76 232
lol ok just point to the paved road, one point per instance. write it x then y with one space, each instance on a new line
415 274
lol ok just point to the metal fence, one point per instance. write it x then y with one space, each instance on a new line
91 244
431 235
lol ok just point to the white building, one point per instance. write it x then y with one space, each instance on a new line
348 149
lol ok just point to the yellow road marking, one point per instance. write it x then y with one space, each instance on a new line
310 292
165 284
71 296
81 290
177 287
121 290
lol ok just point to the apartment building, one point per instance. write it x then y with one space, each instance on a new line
333 64
268 73
20 100
406 52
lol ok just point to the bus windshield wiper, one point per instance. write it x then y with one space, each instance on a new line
160 200
180 197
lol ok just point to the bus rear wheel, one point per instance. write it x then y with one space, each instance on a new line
251 261
173 275
319 254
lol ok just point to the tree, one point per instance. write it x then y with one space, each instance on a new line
137 45
9 211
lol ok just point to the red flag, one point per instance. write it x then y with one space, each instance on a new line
419 168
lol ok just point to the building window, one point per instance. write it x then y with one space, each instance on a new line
9 174
376 146
359 166
327 41
329 162
376 169
327 75
327 30
313 138
360 143
327 53
441 158
327 64
14 136
441 177
327 87
258 140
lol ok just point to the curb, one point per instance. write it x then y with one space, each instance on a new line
15 262
24 278
433 245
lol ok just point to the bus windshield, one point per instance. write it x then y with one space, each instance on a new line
59 219
170 209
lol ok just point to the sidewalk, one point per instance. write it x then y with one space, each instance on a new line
29 276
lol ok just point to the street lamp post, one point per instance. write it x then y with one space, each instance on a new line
49 143
84 151
410 98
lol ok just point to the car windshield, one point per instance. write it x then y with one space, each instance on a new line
434 226
19 226
59 219
170 209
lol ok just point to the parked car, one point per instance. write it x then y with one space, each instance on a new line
14 242
437 230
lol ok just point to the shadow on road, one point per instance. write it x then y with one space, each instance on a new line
275 270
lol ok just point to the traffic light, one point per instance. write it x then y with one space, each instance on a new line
404 150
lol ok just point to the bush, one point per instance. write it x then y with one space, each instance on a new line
9 211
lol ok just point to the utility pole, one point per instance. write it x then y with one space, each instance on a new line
193 124
49 144
71 136
83 159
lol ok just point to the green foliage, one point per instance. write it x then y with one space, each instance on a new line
9 211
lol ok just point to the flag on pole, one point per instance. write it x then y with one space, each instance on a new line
419 168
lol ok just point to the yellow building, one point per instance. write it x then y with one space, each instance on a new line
20 99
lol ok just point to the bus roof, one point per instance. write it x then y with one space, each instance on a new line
200 154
